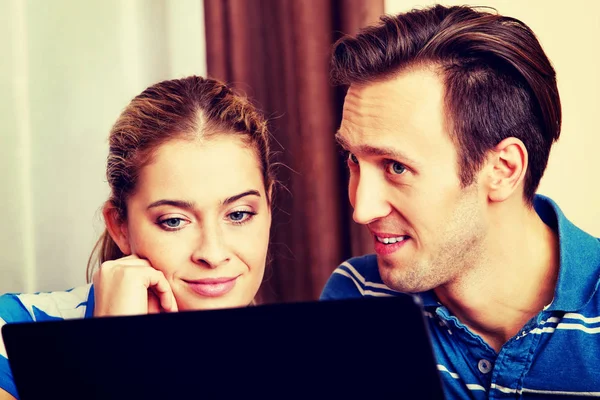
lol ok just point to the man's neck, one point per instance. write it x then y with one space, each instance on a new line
512 281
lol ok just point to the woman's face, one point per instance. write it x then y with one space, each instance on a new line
200 214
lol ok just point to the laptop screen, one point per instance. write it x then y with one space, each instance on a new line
372 347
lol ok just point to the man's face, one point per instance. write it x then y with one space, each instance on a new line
404 183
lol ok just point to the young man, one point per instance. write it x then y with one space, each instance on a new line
448 123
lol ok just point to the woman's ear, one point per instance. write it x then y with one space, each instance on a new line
117 227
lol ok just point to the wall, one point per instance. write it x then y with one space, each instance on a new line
71 68
569 36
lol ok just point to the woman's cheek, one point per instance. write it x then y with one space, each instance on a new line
164 255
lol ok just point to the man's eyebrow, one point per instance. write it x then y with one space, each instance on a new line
388 152
367 150
231 199
188 205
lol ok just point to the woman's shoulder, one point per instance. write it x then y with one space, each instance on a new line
35 307
47 306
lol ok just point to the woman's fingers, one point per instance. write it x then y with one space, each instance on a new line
124 286
153 303
161 287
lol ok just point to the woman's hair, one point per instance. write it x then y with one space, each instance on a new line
189 108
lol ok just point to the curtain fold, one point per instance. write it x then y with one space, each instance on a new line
277 52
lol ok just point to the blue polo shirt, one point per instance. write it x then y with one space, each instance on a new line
555 355
36 307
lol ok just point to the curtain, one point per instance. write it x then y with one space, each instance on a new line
277 52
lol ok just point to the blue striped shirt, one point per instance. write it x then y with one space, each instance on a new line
555 355
74 303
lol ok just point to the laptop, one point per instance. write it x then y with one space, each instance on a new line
375 348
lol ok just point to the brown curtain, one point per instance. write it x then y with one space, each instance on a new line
277 52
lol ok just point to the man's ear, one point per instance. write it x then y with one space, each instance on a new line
117 227
506 169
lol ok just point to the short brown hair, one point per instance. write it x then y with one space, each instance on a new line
498 81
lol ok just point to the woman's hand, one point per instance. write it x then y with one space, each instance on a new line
130 286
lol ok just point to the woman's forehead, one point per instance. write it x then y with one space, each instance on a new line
202 171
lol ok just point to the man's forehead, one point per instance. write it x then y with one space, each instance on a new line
412 80
412 97
399 115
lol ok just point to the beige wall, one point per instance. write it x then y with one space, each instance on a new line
569 33
68 69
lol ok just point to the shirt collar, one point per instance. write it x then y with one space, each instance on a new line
579 273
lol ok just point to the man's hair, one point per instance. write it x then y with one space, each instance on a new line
498 81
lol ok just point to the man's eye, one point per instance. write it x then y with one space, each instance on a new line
396 168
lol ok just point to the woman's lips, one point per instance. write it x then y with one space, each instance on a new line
213 287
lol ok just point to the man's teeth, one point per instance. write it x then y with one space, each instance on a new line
390 240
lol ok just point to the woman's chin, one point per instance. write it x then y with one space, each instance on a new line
212 303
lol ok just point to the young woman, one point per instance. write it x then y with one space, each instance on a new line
188 218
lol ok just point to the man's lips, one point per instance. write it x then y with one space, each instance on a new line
388 235
387 243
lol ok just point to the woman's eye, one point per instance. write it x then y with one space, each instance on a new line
239 217
396 168
172 223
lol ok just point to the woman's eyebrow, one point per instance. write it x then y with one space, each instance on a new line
250 192
188 205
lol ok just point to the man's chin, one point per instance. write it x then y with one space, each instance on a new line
390 265
402 277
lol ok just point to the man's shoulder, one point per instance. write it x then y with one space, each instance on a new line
579 271
356 277
364 268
